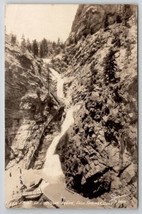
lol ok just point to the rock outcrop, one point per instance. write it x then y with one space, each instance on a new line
29 105
91 18
99 153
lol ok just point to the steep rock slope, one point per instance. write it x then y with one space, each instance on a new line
89 18
99 153
29 106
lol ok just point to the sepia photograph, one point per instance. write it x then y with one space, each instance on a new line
71 106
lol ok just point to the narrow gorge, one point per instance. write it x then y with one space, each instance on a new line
71 118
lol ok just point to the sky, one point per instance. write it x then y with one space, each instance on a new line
38 21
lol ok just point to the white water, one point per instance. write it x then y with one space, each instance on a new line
60 81
60 84
52 167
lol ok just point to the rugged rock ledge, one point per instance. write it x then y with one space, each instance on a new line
99 153
29 106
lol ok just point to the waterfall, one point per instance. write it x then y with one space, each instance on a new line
52 167
60 84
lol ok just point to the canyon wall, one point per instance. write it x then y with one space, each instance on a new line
99 153
29 106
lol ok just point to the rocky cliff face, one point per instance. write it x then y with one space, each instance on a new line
91 18
29 107
99 153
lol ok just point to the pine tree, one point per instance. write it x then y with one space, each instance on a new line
23 44
110 68
58 42
35 48
13 39
53 45
41 54
57 50
28 45
43 49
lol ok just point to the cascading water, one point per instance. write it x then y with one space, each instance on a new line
52 167
60 84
